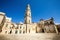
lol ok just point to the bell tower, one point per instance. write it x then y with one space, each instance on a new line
28 15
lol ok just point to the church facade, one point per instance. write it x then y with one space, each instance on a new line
44 26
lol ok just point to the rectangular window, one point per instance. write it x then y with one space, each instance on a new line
29 21
6 25
20 31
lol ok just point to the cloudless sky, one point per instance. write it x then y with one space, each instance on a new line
39 9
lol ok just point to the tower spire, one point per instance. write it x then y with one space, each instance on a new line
28 15
28 6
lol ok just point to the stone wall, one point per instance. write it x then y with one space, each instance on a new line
37 36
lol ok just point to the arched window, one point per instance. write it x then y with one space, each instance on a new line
16 32
5 31
43 30
23 31
51 22
36 29
10 31
20 27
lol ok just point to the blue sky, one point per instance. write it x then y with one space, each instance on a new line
39 9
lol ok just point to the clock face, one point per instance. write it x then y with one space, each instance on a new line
1 18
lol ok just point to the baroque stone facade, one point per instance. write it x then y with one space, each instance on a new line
44 26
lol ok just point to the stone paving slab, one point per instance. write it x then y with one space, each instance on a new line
37 36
